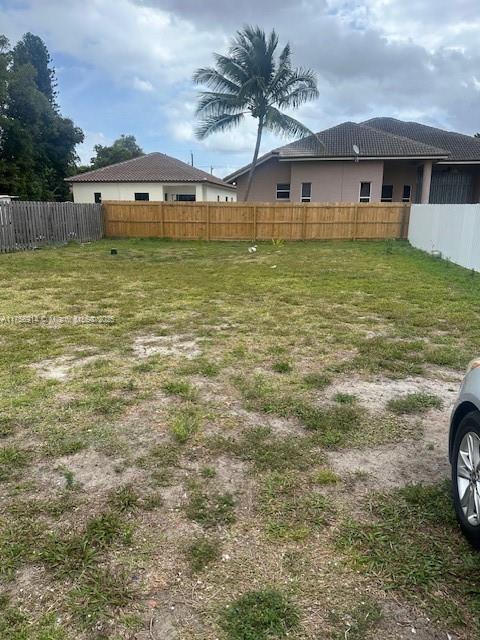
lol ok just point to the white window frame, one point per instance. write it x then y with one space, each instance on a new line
283 191
364 198
382 199
409 199
305 198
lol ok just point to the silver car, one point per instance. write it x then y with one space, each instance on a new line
464 453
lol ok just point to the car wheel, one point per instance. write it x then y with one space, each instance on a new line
466 476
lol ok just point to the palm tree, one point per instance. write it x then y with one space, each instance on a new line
252 80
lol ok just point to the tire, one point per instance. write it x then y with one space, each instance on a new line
466 476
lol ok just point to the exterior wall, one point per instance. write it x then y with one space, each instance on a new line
452 229
84 191
399 174
336 181
264 184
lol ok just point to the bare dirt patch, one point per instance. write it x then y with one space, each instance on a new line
92 470
60 368
375 392
148 345
423 459
400 622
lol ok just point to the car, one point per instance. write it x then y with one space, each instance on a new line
464 454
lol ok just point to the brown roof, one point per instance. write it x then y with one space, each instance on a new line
152 167
460 147
337 142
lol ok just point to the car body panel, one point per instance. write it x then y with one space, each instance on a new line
468 400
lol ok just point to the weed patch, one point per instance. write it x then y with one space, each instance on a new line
260 615
415 548
414 403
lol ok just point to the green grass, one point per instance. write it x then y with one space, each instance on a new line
414 547
185 422
210 509
302 325
12 459
282 366
268 452
180 388
414 403
202 552
290 509
260 615
326 477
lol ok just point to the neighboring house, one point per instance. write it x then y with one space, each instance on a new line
382 159
154 176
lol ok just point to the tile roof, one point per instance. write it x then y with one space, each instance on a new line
152 167
338 143
461 147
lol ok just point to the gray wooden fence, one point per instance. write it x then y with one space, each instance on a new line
30 225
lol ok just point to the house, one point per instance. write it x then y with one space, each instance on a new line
154 176
382 159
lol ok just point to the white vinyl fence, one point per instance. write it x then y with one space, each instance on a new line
451 229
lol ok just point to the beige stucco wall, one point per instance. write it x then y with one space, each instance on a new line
336 181
84 191
264 185
399 174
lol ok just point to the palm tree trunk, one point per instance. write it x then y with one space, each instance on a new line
255 157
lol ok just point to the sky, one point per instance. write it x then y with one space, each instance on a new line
125 66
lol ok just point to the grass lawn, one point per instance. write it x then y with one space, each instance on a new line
254 447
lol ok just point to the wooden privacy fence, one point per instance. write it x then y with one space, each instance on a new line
255 221
30 225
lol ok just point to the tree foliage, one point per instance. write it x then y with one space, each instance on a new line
253 80
37 144
124 148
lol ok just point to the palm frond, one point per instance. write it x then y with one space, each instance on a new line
298 96
230 68
284 125
218 123
212 103
214 79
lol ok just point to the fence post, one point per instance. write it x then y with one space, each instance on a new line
355 223
403 228
254 223
208 221
304 222
162 220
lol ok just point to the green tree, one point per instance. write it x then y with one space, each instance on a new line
32 50
476 135
253 80
124 148
37 143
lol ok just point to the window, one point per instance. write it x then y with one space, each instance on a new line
365 191
165 197
387 193
185 197
283 191
218 198
306 191
97 196
142 196
407 192
226 198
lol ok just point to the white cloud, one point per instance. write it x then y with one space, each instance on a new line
86 149
142 85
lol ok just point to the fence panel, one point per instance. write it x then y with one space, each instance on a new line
255 221
30 225
453 230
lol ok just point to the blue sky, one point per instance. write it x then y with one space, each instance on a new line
125 66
